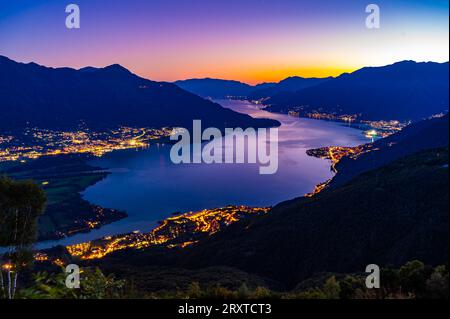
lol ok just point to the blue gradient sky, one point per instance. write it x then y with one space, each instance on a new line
247 40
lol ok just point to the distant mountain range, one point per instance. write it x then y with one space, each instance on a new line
219 89
215 88
34 95
403 91
291 84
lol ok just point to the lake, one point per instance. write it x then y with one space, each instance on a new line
150 187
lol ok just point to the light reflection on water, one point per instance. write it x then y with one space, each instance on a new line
150 187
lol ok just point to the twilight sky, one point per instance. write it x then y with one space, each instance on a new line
247 40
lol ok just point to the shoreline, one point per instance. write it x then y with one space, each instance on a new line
99 224
111 230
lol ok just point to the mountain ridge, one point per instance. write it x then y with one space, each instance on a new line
405 90
220 88
57 98
426 134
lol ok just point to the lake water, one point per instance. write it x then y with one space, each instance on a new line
150 187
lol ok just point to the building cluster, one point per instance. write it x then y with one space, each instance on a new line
318 188
101 216
174 232
335 154
383 128
332 117
375 129
34 143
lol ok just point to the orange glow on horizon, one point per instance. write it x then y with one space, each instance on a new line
254 76
276 75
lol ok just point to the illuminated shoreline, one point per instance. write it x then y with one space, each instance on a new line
35 143
174 232
335 154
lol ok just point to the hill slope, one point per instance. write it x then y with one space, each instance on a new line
393 211
291 84
427 134
220 89
215 88
34 95
403 91
387 216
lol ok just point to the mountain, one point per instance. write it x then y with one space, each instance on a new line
215 88
34 95
403 91
427 134
219 89
291 84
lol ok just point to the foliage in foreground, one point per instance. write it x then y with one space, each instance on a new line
93 285
411 281
20 205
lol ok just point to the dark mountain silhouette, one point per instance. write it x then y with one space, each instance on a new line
427 134
405 91
219 89
291 84
34 95
215 88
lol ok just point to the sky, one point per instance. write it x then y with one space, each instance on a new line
251 41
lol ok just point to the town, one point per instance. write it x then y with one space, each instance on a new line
174 232
33 143
336 153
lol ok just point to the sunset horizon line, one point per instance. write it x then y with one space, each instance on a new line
333 72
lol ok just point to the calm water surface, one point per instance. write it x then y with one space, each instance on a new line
150 187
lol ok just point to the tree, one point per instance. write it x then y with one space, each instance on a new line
391 282
437 284
331 288
261 293
194 290
94 285
243 291
413 276
349 287
21 203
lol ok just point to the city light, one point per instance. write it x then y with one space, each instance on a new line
34 143
174 232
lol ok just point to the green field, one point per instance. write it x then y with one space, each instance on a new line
63 178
